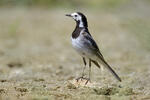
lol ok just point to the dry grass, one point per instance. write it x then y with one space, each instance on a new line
37 60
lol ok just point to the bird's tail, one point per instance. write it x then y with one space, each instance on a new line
104 63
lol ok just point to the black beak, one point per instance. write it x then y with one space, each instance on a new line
69 15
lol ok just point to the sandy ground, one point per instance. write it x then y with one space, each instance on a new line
37 61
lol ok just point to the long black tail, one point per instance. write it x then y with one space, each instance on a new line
104 63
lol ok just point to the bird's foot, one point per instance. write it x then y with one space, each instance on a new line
83 78
79 78
87 80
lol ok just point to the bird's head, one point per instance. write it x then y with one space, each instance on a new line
79 18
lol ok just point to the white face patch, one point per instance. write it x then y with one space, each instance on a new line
77 17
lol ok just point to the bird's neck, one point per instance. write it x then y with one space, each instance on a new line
77 31
81 24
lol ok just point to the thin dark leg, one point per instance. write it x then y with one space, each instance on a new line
89 68
88 79
84 61
84 66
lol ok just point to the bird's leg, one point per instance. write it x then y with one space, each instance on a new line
88 79
84 61
89 68
84 67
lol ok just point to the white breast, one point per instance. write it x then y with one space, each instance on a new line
79 45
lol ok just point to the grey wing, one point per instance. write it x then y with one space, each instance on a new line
91 43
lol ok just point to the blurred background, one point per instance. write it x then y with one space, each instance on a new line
37 59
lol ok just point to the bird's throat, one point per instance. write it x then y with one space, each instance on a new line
81 24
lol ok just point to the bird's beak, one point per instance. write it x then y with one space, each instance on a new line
69 15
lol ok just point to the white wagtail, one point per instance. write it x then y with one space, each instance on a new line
85 45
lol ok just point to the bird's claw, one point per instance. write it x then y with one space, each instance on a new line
83 78
87 80
79 78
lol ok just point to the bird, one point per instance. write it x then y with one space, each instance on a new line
85 45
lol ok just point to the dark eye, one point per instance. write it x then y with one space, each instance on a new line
75 15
